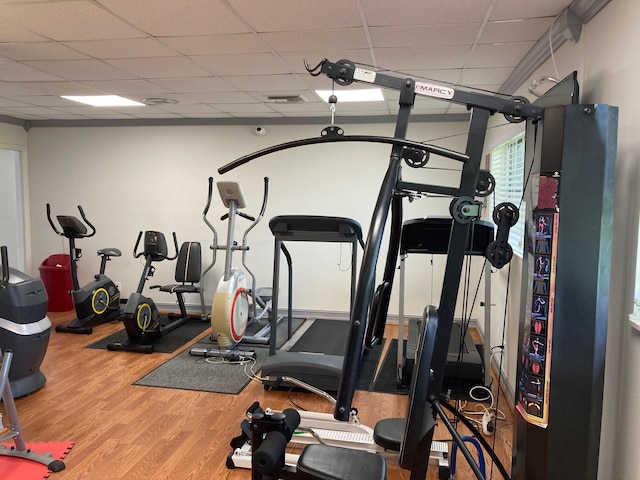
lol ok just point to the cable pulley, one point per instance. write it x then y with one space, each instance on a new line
486 184
499 253
414 157
464 209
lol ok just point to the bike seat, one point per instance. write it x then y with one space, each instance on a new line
109 252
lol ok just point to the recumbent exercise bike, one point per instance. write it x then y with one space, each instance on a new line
143 322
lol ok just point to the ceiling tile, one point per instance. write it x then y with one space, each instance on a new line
43 100
223 97
58 88
499 55
515 30
123 48
159 67
248 64
240 43
245 108
69 20
19 72
295 15
183 108
444 75
510 9
317 40
251 83
194 84
426 58
39 51
80 69
124 87
15 102
484 76
13 33
424 35
419 12
163 18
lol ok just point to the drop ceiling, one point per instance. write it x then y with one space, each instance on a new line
225 60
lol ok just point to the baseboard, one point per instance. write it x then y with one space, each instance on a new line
392 318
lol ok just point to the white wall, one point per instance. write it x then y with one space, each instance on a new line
155 178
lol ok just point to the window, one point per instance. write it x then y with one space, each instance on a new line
507 167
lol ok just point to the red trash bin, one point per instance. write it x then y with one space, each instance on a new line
55 272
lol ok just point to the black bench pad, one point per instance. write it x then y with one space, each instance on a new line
325 462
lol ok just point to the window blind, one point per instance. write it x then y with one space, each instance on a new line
507 167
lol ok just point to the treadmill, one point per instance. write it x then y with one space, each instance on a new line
431 236
320 370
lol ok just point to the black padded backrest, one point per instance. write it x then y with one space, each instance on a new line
189 263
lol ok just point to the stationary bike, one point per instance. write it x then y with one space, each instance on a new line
141 318
98 301
232 310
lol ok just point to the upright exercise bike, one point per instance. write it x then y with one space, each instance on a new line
142 320
97 302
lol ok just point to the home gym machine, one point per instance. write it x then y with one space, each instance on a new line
234 306
24 327
97 302
142 320
412 436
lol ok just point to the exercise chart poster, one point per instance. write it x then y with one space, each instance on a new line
533 385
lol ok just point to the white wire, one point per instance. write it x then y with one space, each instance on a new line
553 58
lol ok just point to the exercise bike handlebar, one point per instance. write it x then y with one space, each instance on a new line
137 254
92 229
89 224
175 246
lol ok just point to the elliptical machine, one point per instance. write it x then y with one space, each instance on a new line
141 318
97 302
24 327
232 311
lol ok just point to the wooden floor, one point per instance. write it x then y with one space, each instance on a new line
122 431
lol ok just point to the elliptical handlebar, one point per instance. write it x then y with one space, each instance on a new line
256 220
214 245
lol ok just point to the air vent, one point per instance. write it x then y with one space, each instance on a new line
286 99
159 101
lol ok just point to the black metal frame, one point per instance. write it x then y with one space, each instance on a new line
482 106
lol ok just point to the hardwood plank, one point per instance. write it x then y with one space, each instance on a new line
125 431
